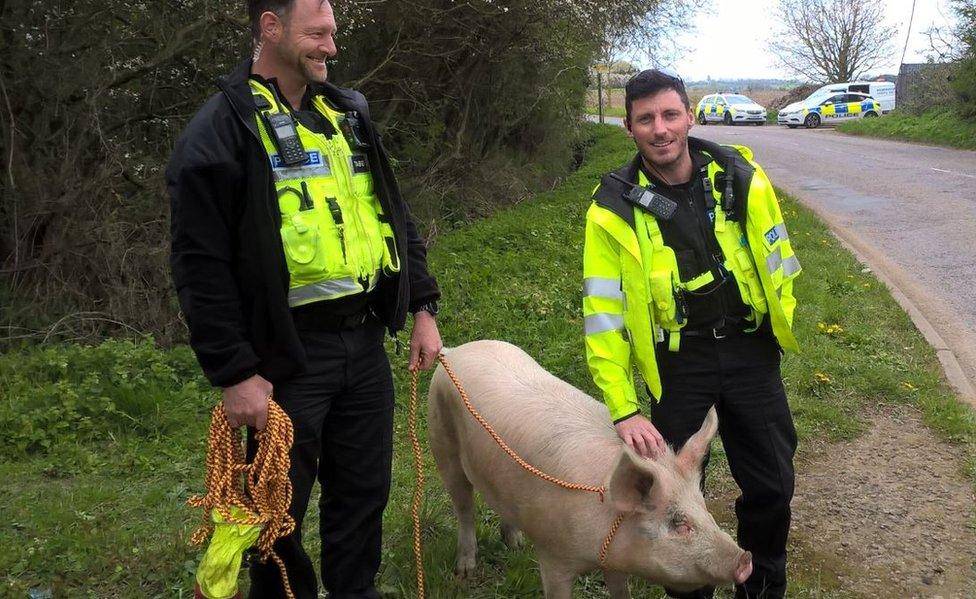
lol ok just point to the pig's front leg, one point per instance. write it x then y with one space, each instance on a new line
617 584
511 535
557 578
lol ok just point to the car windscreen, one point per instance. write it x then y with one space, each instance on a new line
737 99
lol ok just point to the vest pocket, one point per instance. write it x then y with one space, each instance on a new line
756 299
662 296
312 247
300 235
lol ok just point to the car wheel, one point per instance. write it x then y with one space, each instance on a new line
760 123
871 114
701 119
792 126
728 119
812 121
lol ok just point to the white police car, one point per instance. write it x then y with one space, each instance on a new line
819 109
729 109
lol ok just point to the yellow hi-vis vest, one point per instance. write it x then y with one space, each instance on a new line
631 279
337 240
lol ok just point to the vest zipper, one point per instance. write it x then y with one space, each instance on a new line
704 242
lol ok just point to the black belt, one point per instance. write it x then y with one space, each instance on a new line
320 320
719 333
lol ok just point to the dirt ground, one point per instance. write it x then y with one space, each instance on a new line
889 514
893 506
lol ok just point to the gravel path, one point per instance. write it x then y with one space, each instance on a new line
892 506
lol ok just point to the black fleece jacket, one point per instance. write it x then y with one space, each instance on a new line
227 257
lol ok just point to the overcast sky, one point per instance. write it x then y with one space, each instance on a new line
731 38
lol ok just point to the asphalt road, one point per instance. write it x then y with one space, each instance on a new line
908 210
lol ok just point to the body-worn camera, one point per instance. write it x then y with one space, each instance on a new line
352 129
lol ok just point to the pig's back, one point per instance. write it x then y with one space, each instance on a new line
548 421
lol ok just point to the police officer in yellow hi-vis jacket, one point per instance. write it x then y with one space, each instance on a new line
292 252
688 275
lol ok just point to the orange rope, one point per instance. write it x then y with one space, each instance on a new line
600 490
418 463
606 542
261 489
418 490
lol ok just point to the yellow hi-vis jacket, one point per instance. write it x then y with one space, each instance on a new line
337 240
626 307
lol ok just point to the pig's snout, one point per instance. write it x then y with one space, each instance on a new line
743 570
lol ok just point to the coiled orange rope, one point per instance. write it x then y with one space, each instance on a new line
419 465
261 489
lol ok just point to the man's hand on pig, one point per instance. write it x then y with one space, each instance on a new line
638 432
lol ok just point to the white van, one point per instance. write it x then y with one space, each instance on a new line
882 91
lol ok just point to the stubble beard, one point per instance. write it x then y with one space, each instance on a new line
310 74
668 163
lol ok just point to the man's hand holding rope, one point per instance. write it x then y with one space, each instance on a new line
425 342
247 402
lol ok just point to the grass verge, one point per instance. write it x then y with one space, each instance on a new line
618 111
941 126
95 507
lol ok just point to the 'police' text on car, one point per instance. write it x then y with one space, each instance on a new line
818 110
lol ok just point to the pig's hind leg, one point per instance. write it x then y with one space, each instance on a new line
444 445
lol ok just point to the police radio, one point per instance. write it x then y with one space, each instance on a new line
655 203
283 132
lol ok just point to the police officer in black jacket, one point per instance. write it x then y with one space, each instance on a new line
317 348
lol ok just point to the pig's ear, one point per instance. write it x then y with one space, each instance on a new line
632 482
691 455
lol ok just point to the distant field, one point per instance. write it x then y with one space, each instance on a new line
615 97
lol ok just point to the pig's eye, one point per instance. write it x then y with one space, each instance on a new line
680 524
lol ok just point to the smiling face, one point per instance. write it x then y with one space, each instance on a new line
306 40
659 124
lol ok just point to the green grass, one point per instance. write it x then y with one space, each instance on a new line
618 111
94 505
940 126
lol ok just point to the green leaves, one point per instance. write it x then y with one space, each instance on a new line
76 393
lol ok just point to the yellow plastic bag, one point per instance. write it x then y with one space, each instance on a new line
218 570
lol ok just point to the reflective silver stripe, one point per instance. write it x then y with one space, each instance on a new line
781 231
302 172
319 168
791 266
602 287
774 260
322 290
603 322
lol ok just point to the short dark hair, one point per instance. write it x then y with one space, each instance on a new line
256 8
650 82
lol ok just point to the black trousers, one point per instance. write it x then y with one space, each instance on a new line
342 414
740 376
